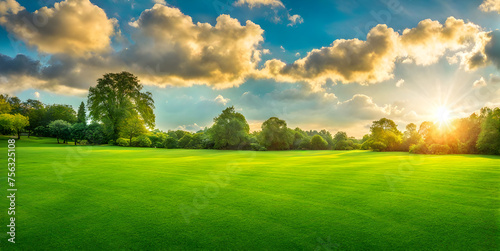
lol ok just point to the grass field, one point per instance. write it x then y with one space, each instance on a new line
106 197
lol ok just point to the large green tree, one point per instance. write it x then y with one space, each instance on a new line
230 130
60 129
275 135
16 123
385 135
116 97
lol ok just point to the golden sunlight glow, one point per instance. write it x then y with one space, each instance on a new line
442 115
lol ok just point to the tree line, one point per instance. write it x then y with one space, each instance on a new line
120 113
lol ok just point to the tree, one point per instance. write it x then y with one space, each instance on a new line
185 141
81 117
4 105
15 123
78 131
95 134
489 138
318 143
132 127
60 112
118 96
59 129
410 137
385 135
275 135
340 141
230 129
36 112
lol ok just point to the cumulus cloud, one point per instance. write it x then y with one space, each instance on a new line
479 83
258 3
221 100
75 27
400 83
490 5
9 6
373 60
171 49
353 60
190 128
430 40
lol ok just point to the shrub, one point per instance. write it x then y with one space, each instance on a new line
378 146
420 148
318 143
141 141
123 142
84 142
170 143
257 147
111 142
439 149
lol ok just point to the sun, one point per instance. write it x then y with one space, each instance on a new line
442 115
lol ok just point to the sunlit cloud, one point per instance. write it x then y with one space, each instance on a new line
490 5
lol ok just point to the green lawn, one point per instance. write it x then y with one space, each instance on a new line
108 198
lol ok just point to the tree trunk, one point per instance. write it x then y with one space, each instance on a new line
57 140
29 133
18 134
75 142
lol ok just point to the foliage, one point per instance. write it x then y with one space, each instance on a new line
78 132
59 128
116 97
131 127
439 149
420 148
318 143
95 134
123 142
15 123
489 139
275 135
141 141
230 130
81 116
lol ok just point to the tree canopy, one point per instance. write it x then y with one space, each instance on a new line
116 97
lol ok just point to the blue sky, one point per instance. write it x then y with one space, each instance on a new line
309 72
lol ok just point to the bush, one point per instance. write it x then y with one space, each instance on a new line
257 147
420 148
123 142
83 142
111 142
170 143
439 149
378 146
141 141
318 143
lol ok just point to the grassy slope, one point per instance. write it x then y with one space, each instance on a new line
114 198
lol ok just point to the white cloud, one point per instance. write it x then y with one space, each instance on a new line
479 83
282 48
297 54
400 83
258 3
221 100
295 19
37 95
72 27
266 51
190 128
490 5
160 2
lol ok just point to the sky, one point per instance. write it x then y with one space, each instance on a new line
335 65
